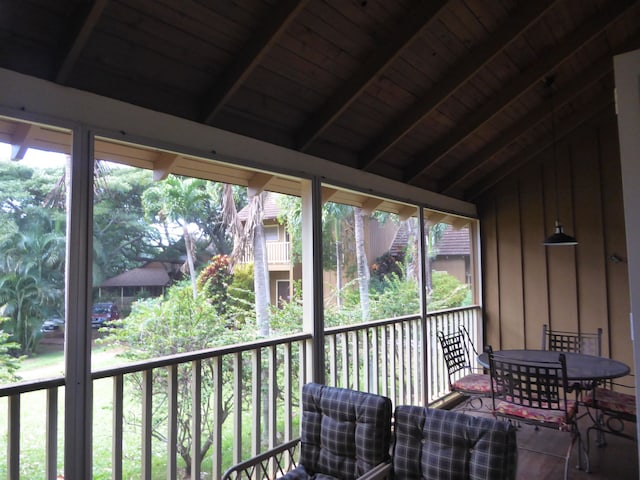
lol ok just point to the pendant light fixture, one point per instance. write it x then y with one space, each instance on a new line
559 238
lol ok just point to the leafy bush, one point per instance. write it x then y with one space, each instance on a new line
448 292
287 318
398 297
9 363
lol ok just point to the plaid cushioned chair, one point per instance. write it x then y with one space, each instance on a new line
345 434
446 445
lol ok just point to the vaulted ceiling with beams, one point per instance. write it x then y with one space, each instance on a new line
450 96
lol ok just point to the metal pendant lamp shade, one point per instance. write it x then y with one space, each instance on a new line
559 238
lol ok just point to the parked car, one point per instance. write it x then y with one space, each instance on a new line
103 313
52 325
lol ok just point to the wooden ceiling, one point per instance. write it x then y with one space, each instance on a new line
446 95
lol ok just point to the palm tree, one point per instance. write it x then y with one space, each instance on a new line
179 201
364 275
23 297
251 233
31 275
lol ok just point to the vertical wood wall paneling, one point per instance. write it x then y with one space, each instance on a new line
561 259
491 279
566 287
510 266
619 337
533 223
591 274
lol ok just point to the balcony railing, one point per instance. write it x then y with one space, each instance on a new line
245 397
277 253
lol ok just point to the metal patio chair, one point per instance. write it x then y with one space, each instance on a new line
535 393
465 379
578 342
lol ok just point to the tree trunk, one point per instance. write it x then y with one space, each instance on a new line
363 265
427 260
411 255
189 249
261 280
338 264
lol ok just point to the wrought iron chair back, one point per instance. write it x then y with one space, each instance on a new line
530 385
579 342
536 393
456 347
463 377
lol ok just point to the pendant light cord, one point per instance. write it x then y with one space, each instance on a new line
554 148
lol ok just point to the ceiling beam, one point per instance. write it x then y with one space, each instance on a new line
506 137
258 183
432 217
521 158
76 42
163 165
458 222
328 194
378 60
21 139
370 205
407 212
452 80
275 23
517 87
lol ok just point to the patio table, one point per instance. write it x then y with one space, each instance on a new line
580 367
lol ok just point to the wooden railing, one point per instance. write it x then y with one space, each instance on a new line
249 394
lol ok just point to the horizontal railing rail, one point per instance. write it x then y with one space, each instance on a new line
251 390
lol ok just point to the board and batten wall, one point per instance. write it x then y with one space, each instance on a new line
576 288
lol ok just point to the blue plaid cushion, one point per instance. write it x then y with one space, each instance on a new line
444 445
345 433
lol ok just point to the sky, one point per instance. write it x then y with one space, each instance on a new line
34 158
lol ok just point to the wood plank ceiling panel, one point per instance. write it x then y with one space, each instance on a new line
267 33
377 59
33 31
156 53
413 90
551 60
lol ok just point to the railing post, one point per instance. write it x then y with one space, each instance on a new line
216 470
117 426
147 423
13 444
52 432
172 422
196 417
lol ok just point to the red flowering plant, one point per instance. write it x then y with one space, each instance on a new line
214 281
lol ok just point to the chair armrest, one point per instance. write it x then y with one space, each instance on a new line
272 463
382 471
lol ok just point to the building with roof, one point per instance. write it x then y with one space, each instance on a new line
149 280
